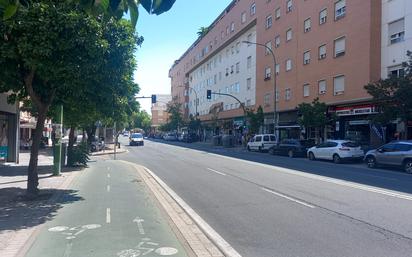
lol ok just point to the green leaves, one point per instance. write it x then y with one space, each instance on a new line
134 11
157 6
313 114
9 8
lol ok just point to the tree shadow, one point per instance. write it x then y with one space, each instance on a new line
16 212
387 178
11 171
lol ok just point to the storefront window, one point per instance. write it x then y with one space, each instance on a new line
358 131
3 137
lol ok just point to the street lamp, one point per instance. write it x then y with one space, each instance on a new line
197 99
275 124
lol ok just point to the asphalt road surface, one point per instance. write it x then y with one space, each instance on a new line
270 206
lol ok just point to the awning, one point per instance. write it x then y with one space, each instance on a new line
28 125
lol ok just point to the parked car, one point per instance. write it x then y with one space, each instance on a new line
126 133
292 147
336 150
188 137
261 142
396 153
97 144
170 137
136 139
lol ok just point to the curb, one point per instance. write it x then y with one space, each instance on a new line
36 230
109 153
217 246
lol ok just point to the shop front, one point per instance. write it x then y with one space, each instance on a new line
8 131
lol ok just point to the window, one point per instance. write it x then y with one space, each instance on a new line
268 73
340 9
340 46
268 46
307 25
322 87
289 6
396 31
268 21
253 9
277 41
322 52
288 65
238 67
266 138
215 79
277 95
306 57
232 69
288 94
277 13
266 99
306 90
227 72
243 17
277 69
227 30
237 87
338 85
396 71
258 138
323 16
288 35
232 27
248 83
249 38
249 62
248 103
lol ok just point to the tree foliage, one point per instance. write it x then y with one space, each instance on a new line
313 115
202 31
142 120
393 96
175 119
256 119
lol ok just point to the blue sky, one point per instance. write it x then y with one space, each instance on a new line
166 37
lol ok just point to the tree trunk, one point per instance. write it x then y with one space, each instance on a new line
33 178
70 147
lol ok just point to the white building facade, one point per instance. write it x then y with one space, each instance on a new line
231 70
396 35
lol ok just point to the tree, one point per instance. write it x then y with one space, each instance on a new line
256 119
393 96
175 119
313 115
142 120
202 31
114 8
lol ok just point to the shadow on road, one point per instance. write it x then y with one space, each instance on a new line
18 213
392 178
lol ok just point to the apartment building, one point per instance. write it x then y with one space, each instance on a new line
324 49
159 111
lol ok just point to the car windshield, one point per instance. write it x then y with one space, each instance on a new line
205 128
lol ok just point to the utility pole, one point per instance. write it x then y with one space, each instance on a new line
57 149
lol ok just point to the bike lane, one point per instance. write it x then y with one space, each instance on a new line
115 216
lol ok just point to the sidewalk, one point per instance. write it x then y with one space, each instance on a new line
19 218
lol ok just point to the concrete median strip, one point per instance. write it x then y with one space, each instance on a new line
201 238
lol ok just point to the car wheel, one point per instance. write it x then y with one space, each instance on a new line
311 156
336 159
260 149
407 166
291 154
248 148
371 162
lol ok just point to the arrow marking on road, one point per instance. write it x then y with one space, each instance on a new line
288 197
108 188
139 222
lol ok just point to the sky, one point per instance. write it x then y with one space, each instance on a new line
166 38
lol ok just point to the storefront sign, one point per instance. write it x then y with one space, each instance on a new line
3 153
358 122
355 110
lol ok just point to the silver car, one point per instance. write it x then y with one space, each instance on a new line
395 153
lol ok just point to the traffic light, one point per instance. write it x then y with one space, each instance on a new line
209 94
153 99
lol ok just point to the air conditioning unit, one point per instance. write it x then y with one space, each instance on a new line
322 56
306 61
322 92
307 29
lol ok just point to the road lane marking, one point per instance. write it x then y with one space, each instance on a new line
217 172
108 188
108 175
108 168
288 197
319 177
108 218
222 244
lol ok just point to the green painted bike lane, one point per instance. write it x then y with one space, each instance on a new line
115 216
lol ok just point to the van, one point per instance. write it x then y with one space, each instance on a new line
261 142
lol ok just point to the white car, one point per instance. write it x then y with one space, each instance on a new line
136 139
336 150
261 142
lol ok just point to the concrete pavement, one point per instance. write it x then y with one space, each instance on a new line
276 206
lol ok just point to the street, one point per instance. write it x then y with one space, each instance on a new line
267 205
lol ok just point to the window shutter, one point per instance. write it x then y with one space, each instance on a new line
339 84
396 27
340 4
340 45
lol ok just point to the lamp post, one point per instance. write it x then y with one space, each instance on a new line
275 123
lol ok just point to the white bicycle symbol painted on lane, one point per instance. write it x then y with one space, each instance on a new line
72 232
145 247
